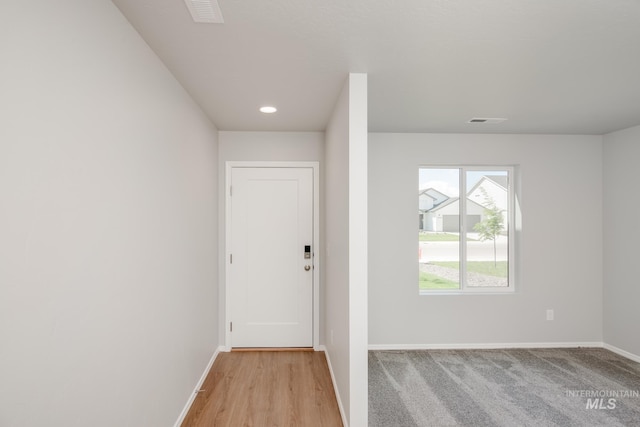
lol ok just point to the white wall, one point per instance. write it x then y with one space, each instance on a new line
108 222
621 237
560 243
345 316
268 147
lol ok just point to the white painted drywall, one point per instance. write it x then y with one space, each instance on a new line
621 236
267 147
358 250
346 258
270 146
108 222
559 244
336 258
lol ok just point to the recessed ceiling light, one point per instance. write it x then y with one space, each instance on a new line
267 109
492 120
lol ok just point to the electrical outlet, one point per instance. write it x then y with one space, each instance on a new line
550 314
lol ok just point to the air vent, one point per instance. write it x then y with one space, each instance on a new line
492 121
205 11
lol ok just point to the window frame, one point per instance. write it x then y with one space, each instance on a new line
462 213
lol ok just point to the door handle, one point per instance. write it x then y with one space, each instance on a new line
307 267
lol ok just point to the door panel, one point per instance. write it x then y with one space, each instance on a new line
271 291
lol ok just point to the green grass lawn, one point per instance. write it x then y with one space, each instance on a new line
431 281
501 268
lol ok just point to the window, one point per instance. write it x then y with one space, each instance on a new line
465 229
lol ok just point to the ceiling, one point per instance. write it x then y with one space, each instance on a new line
548 66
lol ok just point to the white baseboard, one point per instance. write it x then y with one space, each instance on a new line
622 352
335 385
483 346
203 377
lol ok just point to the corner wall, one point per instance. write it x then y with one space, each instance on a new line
345 316
621 236
559 245
108 223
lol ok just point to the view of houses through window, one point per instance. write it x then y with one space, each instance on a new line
464 240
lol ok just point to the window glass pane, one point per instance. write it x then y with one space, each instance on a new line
487 226
439 228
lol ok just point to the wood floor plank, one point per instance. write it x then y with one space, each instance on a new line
266 388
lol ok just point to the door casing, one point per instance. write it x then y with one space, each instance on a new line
315 166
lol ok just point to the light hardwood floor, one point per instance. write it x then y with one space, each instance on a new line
266 388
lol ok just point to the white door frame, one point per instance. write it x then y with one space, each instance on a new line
315 166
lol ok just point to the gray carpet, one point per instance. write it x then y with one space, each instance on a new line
515 387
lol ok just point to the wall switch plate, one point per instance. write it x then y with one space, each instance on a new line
550 314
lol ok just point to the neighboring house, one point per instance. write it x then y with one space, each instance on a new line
441 213
427 200
430 197
446 216
492 187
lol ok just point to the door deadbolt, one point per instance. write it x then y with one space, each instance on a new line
307 267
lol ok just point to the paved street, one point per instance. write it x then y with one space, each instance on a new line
476 250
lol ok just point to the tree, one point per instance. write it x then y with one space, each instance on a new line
492 224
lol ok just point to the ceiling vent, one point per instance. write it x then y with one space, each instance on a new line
205 11
491 121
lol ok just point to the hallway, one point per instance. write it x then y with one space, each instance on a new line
266 388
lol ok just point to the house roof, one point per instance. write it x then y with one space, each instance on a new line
500 180
444 204
451 201
548 66
426 192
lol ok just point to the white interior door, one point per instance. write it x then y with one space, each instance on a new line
271 259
